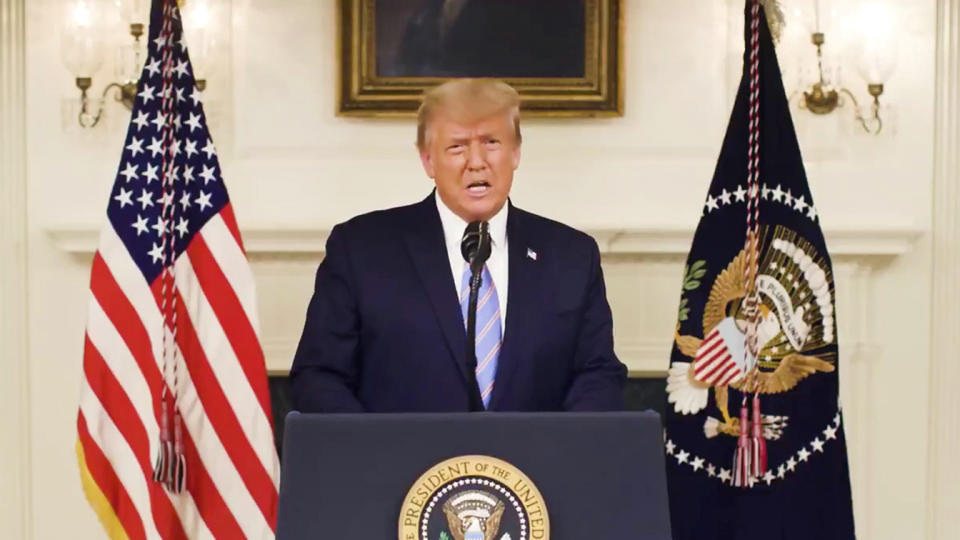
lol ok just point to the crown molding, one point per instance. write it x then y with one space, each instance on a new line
881 241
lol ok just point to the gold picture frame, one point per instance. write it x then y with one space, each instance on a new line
388 91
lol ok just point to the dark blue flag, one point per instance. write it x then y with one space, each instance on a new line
754 435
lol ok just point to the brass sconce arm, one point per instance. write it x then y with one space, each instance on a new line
127 93
875 91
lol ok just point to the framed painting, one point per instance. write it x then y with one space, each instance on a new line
563 56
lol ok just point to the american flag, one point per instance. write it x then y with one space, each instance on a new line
175 438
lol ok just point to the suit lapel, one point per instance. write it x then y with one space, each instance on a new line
521 301
427 248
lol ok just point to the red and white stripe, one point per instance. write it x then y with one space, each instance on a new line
224 400
714 363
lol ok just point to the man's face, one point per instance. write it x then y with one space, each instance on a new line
472 163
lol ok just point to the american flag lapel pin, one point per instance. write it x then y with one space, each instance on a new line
531 254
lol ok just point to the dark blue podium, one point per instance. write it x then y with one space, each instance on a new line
601 476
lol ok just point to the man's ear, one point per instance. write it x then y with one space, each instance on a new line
426 159
516 157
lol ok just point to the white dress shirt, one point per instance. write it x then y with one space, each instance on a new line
453 226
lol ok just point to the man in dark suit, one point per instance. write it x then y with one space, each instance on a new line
385 328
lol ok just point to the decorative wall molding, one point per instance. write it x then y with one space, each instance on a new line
881 241
14 388
943 470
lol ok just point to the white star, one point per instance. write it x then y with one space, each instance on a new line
830 432
159 226
768 477
725 196
165 199
811 212
179 90
799 203
145 200
140 120
740 193
207 174
791 464
725 475
697 464
181 69
682 456
146 93
151 173
153 67
804 454
788 198
670 447
182 43
130 171
140 225
781 471
711 204
135 146
182 227
195 96
711 470
176 147
188 174
193 121
185 200
766 192
124 197
158 120
156 253
191 147
203 200
777 193
160 41
817 445
836 419
156 147
209 149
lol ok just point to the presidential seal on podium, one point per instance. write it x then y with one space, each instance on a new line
474 498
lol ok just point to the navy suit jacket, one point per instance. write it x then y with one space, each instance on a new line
384 331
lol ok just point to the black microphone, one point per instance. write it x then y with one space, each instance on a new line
475 248
475 245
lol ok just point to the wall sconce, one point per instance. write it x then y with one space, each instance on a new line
876 53
86 24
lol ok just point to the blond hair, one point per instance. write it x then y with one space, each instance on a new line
468 100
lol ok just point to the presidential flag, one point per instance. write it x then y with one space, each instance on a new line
175 437
754 437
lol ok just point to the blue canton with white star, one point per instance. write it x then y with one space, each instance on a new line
137 199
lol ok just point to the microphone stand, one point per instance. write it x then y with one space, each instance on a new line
476 276
475 248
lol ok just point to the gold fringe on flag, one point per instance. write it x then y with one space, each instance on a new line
98 501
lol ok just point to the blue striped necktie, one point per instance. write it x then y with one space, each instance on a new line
488 329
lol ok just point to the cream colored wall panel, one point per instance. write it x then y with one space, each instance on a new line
14 385
943 472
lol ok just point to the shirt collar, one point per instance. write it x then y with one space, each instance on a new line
453 225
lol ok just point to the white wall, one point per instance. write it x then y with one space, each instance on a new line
294 169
